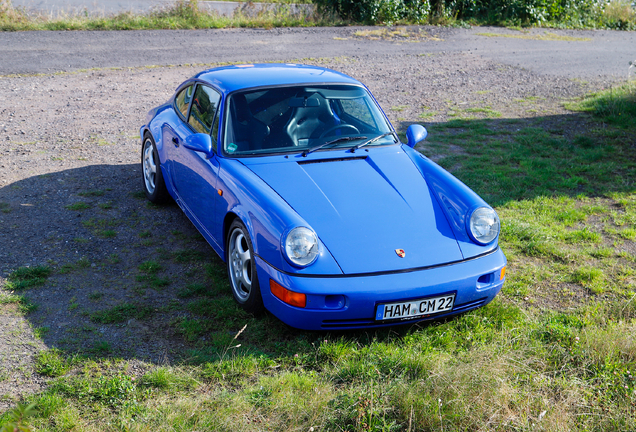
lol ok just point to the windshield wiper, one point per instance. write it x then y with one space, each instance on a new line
344 138
372 140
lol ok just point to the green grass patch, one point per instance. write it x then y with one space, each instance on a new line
150 277
189 255
52 363
123 312
616 106
92 193
28 277
81 205
24 304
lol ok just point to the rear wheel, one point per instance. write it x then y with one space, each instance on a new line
241 269
152 176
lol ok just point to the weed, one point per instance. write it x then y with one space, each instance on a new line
107 233
80 205
28 277
188 255
153 280
95 295
16 419
150 267
122 313
51 363
399 108
24 304
193 290
92 193
113 259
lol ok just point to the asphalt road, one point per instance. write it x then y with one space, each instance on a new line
586 54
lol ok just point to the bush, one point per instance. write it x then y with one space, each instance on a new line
379 11
616 14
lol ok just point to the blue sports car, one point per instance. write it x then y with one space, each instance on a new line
296 178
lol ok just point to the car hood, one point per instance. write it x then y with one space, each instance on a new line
364 207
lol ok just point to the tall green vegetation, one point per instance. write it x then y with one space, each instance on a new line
613 14
182 14
188 14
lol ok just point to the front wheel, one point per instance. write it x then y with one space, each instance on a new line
241 269
152 176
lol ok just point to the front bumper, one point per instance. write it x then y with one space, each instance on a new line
348 302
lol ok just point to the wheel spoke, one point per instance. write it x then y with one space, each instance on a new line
150 167
153 166
240 262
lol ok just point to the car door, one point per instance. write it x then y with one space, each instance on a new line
173 132
195 174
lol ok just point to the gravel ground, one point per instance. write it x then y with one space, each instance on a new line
73 137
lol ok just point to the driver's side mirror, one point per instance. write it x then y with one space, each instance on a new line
414 134
201 143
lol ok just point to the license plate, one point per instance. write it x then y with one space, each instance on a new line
415 308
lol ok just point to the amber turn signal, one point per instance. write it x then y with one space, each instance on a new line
503 273
287 296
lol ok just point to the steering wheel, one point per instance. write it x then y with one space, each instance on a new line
336 127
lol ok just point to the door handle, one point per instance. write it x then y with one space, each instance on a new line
175 141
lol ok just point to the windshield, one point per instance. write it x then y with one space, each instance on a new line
294 119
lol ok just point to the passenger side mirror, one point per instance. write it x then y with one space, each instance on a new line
414 134
201 143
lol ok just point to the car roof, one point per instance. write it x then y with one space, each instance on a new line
237 77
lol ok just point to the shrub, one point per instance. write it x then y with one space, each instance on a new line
615 14
379 11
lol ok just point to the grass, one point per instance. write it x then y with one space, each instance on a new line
78 206
23 303
183 14
546 36
121 313
555 351
28 277
150 277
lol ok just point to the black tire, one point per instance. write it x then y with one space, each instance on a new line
241 269
151 175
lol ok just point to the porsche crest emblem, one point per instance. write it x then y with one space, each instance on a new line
400 253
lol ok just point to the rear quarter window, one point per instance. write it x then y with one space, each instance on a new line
183 100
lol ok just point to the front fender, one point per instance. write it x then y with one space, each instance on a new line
456 199
266 216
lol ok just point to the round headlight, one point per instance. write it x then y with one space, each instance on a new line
484 225
301 246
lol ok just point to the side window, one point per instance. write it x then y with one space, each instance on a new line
357 108
183 99
204 105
